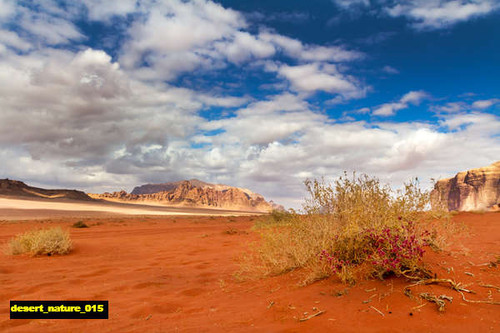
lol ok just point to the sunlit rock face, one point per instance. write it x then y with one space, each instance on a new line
194 193
476 189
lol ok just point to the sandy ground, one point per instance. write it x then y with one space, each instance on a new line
176 274
23 209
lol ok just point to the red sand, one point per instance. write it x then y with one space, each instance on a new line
169 274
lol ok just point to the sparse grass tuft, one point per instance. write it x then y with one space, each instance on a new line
41 242
273 219
354 228
80 224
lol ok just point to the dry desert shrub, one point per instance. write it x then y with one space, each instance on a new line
354 228
80 225
41 242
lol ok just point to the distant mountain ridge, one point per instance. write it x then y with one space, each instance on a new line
16 188
194 193
155 188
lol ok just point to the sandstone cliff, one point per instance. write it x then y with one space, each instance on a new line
15 188
193 193
476 189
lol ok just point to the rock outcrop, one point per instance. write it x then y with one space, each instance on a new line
15 188
476 189
193 193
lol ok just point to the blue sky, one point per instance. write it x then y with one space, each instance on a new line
106 95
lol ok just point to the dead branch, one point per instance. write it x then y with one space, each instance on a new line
482 302
440 300
489 286
454 285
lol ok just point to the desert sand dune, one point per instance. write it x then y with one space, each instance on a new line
23 208
177 274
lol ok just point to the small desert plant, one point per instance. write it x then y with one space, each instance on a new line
354 228
80 224
275 218
40 242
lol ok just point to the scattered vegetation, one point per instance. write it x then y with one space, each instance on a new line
41 242
354 228
80 224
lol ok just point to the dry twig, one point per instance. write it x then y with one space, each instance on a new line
380 312
312 316
489 286
473 301
453 285
440 301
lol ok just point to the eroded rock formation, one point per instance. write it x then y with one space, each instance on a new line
476 189
193 193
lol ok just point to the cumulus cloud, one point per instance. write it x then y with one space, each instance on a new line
204 35
451 107
314 77
297 50
13 40
484 104
460 107
436 14
41 21
425 14
6 8
103 10
244 47
351 3
81 110
411 98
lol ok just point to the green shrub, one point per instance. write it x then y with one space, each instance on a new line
41 242
354 228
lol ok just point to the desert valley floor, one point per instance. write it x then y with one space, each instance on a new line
177 274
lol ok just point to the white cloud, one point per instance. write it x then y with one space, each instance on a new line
204 35
390 70
460 107
12 39
452 107
7 8
395 152
424 14
314 77
102 10
244 46
296 49
411 98
351 3
186 42
437 14
484 104
48 25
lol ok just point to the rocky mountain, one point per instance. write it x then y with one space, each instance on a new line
194 193
476 189
15 188
165 187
